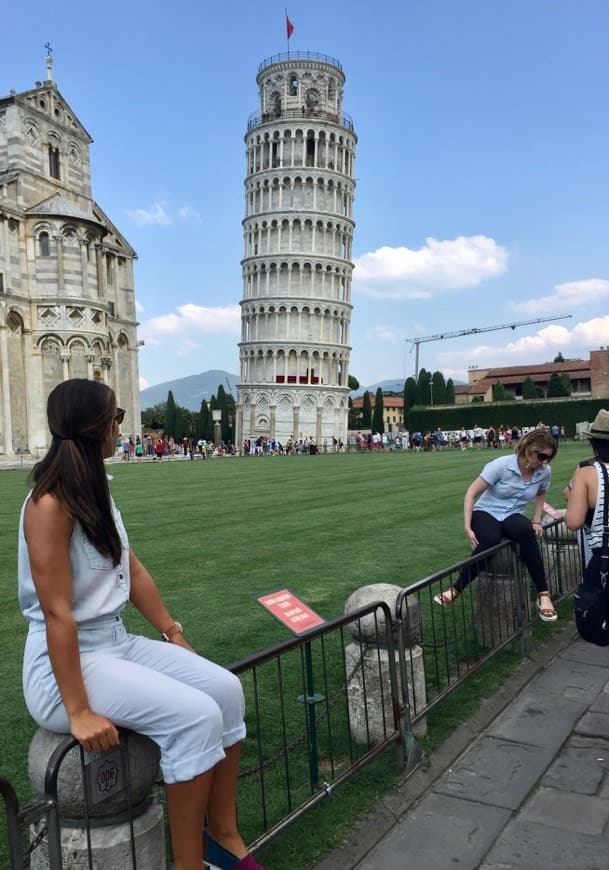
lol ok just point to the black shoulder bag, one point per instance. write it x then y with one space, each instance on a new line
591 598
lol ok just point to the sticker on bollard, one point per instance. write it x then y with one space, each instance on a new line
290 611
104 776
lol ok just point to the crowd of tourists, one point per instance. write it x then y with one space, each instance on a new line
158 447
164 446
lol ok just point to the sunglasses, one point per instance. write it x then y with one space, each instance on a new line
119 416
543 457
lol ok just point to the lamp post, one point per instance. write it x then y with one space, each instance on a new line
217 418
431 390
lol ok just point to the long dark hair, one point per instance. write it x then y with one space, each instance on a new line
80 414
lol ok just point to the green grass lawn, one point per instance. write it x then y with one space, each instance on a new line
217 533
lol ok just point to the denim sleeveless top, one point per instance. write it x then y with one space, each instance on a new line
99 588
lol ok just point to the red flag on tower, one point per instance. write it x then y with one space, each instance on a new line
288 26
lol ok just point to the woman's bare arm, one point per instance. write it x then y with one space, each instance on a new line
148 600
474 491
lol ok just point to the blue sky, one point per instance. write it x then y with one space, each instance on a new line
482 165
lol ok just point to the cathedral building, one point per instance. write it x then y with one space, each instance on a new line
298 233
67 304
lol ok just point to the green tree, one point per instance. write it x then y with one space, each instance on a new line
528 389
423 390
179 428
559 357
203 420
366 411
169 428
378 424
352 383
558 386
351 416
499 394
450 392
438 385
411 394
209 436
154 418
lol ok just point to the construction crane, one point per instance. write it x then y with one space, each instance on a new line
442 336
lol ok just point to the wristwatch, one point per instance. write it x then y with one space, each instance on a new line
174 628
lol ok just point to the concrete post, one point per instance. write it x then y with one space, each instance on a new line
108 776
367 663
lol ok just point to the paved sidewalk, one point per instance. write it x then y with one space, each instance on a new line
530 789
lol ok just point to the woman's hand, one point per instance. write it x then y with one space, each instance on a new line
94 733
179 640
471 537
538 529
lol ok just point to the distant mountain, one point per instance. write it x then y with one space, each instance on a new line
190 391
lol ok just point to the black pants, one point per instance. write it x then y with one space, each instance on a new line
490 531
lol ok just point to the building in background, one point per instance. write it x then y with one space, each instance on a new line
589 379
393 411
298 233
67 305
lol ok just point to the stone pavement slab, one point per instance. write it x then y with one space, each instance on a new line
572 679
580 767
601 703
497 772
594 725
533 719
586 652
568 811
441 832
530 846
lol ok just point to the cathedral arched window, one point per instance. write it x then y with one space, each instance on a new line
44 245
54 168
293 84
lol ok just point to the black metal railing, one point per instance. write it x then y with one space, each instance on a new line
315 719
299 55
303 113
320 707
493 611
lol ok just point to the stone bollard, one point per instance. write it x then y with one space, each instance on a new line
498 599
107 776
562 559
367 664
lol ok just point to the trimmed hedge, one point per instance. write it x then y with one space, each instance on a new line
564 412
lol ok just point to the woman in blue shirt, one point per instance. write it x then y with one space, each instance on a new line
494 508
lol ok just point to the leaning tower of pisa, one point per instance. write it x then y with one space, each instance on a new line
297 232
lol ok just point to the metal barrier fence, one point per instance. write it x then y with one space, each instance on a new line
322 706
490 613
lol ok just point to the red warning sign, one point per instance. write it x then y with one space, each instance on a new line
291 611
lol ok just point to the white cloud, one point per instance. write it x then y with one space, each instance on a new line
573 294
190 323
154 216
143 383
187 213
542 346
384 333
437 267
139 307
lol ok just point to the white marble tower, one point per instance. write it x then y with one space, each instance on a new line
298 232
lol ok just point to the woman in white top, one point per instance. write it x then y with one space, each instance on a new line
587 492
84 673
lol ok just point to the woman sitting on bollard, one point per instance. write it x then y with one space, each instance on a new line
84 673
494 508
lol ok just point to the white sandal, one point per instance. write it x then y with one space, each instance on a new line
546 614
